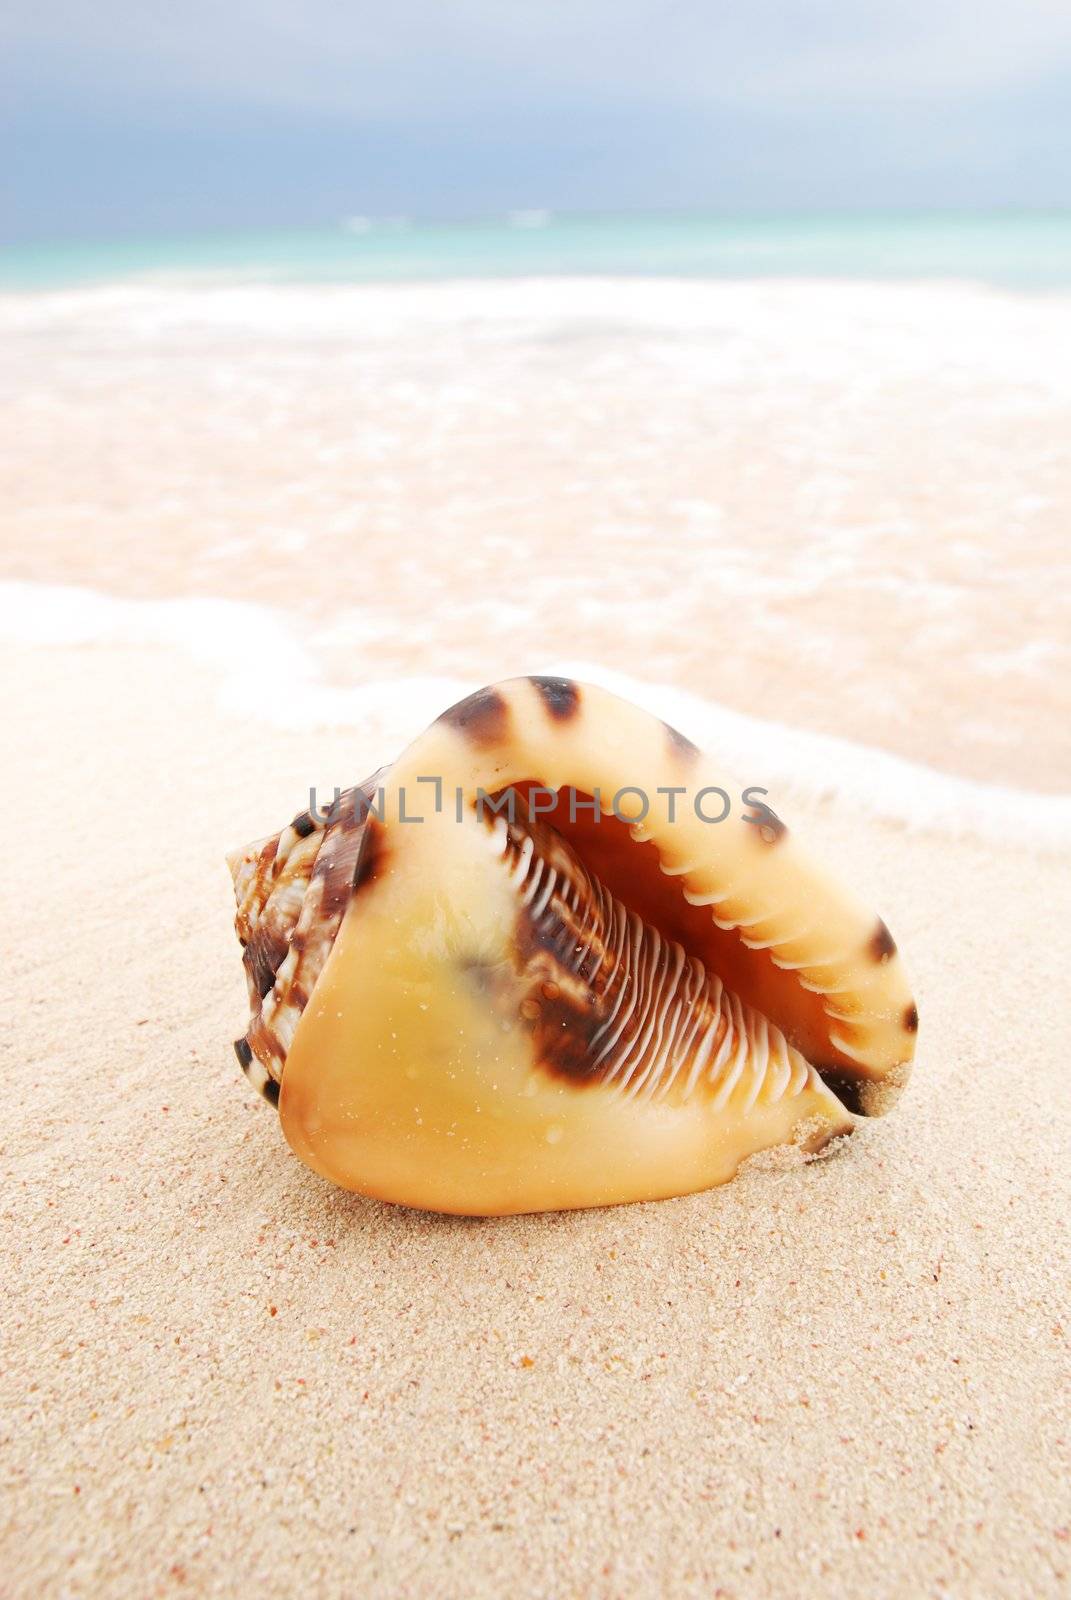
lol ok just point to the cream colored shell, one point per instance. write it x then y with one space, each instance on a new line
457 1050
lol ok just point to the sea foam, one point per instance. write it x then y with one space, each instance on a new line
234 639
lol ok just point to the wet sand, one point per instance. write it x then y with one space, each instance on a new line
842 507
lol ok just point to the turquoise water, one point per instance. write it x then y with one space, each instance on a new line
1028 250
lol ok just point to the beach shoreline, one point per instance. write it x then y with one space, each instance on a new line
833 506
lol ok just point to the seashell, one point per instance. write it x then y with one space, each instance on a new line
605 996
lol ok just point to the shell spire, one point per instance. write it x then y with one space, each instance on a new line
292 890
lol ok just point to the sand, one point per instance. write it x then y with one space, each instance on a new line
222 1376
840 508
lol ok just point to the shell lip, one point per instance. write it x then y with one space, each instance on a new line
862 1089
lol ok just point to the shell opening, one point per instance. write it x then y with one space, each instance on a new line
648 989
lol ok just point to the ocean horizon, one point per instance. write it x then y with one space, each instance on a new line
1028 250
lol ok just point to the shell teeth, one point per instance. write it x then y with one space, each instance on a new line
679 871
704 1049
699 897
800 1074
660 1025
848 1047
735 1056
761 933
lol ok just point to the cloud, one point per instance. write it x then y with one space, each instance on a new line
429 58
164 115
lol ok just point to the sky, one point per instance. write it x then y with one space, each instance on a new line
134 116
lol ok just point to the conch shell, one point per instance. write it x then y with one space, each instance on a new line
525 968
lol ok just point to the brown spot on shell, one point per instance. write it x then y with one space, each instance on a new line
680 744
560 696
562 1034
243 1052
762 817
911 1018
562 1017
270 1091
338 864
264 955
483 717
303 825
372 859
771 830
882 945
847 1089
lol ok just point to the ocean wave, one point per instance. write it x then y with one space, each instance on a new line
236 638
808 332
